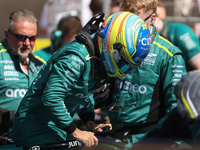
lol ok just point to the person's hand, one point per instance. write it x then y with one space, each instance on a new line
101 127
87 138
117 132
98 127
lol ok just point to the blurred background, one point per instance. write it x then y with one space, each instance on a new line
49 12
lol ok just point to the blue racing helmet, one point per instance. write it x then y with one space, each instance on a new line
123 41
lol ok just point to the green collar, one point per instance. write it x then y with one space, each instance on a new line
14 56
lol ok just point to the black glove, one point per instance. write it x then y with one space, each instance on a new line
103 94
117 132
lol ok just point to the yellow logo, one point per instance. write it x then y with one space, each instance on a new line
144 26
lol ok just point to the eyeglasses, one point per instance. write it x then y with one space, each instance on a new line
24 37
148 17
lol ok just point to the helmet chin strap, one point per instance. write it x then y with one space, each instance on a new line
85 37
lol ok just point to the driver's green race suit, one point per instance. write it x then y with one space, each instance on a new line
14 82
183 37
144 96
60 90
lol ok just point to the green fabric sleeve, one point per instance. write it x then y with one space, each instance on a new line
171 74
58 87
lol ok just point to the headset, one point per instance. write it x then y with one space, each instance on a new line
152 19
56 38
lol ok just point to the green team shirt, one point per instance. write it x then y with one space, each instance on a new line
183 37
14 82
144 96
44 54
60 90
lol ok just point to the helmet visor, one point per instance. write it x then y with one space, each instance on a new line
124 65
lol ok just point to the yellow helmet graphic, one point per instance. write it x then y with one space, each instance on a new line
124 41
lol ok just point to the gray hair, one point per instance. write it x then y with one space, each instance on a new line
21 15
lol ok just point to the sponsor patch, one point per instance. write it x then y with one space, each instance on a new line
10 73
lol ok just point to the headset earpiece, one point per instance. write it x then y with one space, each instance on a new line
56 38
7 35
152 18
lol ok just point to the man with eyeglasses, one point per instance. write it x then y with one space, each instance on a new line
18 66
146 94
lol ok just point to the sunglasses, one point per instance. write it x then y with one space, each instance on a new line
148 17
23 37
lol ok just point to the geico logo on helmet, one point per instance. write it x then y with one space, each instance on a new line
124 41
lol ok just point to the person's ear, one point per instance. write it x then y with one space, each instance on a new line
6 32
153 18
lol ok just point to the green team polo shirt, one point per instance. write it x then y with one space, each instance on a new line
44 54
184 37
14 82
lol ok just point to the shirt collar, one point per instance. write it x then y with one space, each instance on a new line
14 56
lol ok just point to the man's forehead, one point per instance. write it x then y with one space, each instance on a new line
161 13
